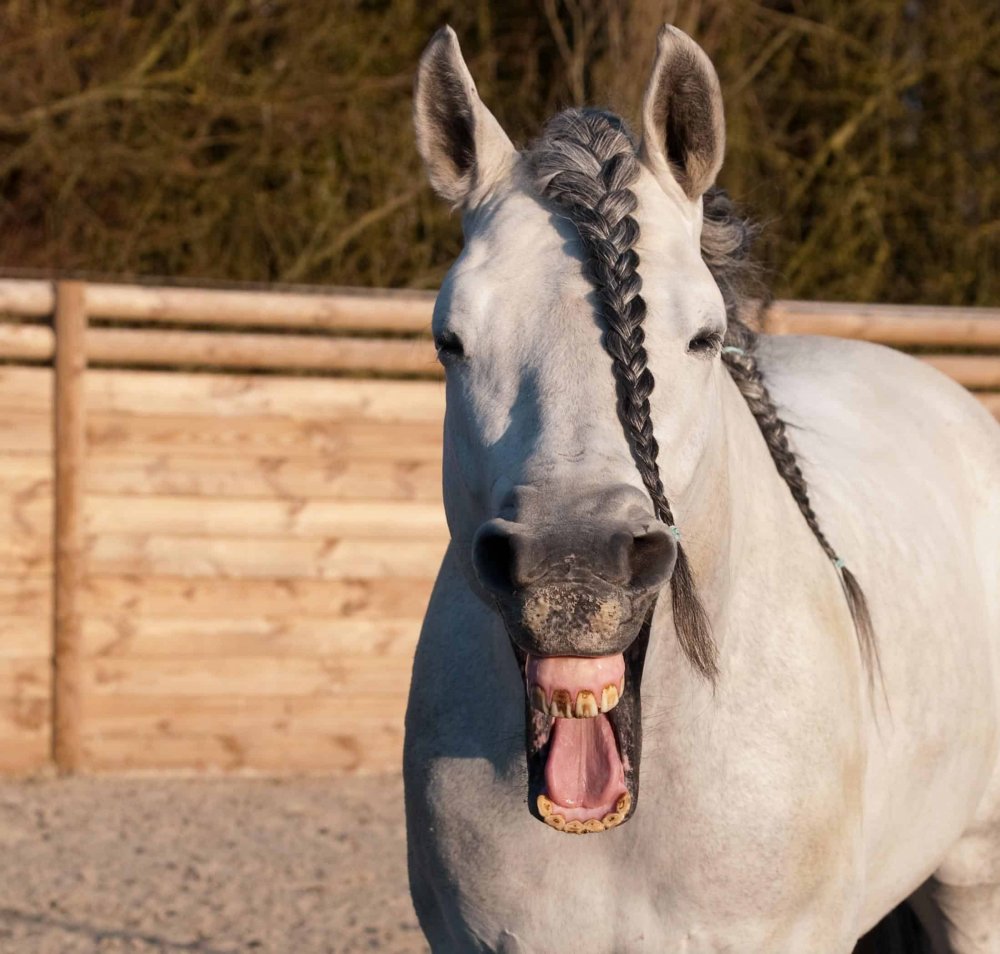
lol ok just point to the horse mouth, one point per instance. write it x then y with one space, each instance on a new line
583 738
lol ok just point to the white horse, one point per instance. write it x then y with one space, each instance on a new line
800 778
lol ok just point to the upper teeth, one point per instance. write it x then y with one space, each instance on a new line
562 705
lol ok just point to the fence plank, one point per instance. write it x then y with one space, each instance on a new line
972 370
26 342
248 676
248 751
239 395
250 557
27 297
207 597
280 634
164 473
367 310
223 517
70 453
273 436
898 325
378 356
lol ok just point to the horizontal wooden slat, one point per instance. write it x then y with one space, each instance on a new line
899 325
165 597
220 517
191 713
25 678
235 636
338 675
27 297
374 751
973 371
240 350
272 436
27 342
261 557
991 402
25 433
25 637
27 595
369 310
215 395
26 389
24 753
129 473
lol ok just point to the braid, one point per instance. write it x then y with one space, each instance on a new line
726 240
585 165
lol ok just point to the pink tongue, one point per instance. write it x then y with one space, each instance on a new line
584 769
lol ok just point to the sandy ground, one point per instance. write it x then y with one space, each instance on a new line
211 867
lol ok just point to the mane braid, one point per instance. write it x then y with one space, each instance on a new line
725 244
584 164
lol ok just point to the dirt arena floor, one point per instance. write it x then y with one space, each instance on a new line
206 866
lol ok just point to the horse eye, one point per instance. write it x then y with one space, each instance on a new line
705 343
449 347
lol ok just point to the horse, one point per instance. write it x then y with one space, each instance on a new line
761 571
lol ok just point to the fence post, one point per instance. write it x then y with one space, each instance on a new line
69 422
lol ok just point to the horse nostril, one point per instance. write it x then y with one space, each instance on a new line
652 558
503 558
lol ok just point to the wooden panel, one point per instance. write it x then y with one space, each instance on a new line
281 634
222 517
27 297
253 557
338 675
973 371
25 636
265 352
232 395
25 432
26 342
991 402
26 595
25 678
26 389
898 325
142 474
163 597
287 437
270 753
370 310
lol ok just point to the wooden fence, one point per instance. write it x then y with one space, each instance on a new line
221 516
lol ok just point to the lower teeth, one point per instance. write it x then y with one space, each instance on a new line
553 819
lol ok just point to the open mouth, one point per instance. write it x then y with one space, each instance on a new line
584 737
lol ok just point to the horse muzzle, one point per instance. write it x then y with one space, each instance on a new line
576 603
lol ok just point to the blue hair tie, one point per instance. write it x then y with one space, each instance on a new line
729 349
839 564
675 530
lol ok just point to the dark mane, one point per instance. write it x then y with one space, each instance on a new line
584 164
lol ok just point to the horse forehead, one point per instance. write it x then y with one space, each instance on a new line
525 260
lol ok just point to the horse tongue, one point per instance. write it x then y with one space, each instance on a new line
584 769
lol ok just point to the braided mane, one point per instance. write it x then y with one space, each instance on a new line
585 163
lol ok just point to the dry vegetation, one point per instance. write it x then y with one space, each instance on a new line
270 139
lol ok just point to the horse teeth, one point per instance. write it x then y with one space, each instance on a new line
544 806
609 698
586 705
562 704
612 819
538 699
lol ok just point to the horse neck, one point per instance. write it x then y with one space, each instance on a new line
740 525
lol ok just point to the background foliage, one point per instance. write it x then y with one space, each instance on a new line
270 140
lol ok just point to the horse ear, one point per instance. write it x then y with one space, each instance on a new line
463 147
683 127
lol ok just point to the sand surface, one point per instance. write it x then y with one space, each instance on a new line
206 866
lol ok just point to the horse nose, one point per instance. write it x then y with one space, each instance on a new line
509 557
